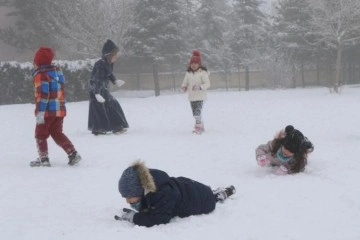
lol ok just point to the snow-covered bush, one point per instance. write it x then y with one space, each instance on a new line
17 87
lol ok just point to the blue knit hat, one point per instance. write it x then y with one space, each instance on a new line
129 183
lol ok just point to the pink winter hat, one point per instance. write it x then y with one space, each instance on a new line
195 57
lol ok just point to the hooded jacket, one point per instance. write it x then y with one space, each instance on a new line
49 88
101 75
167 197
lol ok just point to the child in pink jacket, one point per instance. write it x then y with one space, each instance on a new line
286 153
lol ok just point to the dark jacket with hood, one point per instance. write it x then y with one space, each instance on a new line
107 116
102 72
101 75
167 197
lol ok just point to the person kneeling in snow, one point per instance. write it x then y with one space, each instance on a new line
286 153
157 198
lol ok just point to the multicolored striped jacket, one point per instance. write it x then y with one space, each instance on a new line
49 89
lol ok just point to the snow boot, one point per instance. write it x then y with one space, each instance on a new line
197 129
43 162
202 127
74 158
221 194
97 133
120 131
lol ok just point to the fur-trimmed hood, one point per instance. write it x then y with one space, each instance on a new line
138 180
146 179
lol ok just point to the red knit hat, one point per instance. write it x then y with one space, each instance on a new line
195 57
43 56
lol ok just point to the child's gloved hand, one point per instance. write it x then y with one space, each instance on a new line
127 215
119 82
40 118
196 88
99 98
281 170
263 161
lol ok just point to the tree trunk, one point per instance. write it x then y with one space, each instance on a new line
226 80
352 72
138 81
302 74
156 79
239 71
247 78
173 77
330 74
293 78
317 72
338 68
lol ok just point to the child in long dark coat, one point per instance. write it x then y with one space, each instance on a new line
105 112
157 198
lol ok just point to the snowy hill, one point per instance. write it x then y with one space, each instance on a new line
79 202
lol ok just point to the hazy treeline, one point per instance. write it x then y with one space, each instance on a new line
232 35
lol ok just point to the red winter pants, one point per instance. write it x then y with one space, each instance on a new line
53 127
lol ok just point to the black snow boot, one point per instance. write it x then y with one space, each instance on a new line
223 193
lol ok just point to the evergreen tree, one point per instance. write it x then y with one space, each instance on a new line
249 38
188 8
156 33
210 30
292 25
32 27
250 27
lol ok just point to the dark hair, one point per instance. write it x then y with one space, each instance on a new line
201 66
299 161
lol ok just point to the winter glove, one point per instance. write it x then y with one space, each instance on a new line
99 98
40 118
184 88
128 215
263 161
281 170
119 83
196 88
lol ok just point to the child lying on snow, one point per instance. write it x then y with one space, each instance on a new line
286 153
157 198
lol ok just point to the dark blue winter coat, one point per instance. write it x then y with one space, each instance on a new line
107 116
101 75
175 196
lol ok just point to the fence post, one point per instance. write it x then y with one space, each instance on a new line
156 79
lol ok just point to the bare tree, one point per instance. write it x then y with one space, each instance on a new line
83 26
337 24
74 28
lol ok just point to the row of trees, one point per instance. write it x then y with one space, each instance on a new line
231 34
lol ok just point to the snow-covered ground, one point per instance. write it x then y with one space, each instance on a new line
79 202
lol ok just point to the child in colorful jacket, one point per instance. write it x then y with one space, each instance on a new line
157 198
286 153
196 82
50 108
